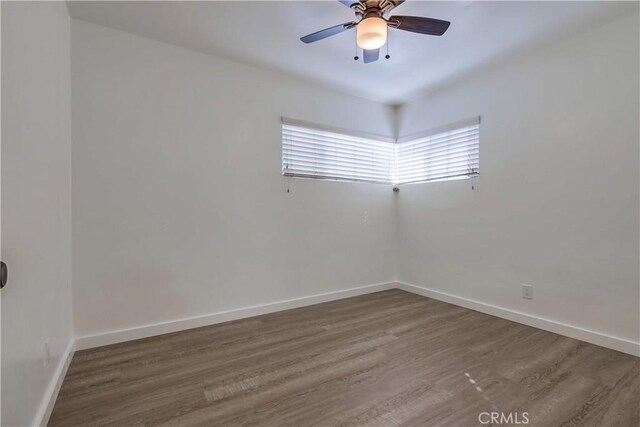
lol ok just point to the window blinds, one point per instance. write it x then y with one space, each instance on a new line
317 153
452 153
310 151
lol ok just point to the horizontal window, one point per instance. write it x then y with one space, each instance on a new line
326 154
449 153
445 153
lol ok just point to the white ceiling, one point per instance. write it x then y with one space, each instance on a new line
266 34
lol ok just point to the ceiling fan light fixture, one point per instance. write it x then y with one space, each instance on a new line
372 28
371 33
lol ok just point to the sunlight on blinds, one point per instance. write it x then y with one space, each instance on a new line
453 154
444 154
314 153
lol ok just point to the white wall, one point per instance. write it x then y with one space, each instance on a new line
36 204
179 207
556 205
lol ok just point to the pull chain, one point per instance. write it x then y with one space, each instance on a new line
288 179
356 57
387 55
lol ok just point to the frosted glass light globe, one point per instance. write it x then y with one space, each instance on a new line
371 33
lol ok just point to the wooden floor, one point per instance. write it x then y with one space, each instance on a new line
384 359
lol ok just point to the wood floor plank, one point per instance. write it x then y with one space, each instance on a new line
385 359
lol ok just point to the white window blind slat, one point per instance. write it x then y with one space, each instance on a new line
343 170
294 151
433 148
447 140
296 140
446 157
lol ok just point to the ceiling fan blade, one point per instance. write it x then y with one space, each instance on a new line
417 24
370 55
397 3
349 3
327 32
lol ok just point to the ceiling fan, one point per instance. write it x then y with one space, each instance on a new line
372 26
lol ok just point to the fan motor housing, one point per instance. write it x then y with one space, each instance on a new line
368 8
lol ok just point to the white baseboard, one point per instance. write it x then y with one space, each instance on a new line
49 400
122 335
598 338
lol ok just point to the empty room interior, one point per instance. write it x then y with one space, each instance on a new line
320 213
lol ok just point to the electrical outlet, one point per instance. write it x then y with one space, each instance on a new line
527 291
47 352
